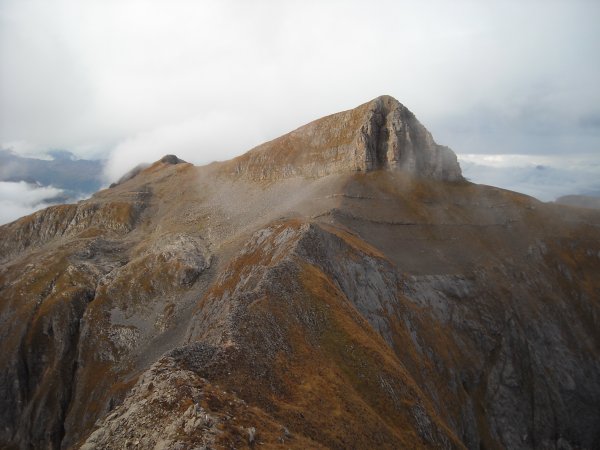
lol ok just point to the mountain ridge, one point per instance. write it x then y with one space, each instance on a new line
203 306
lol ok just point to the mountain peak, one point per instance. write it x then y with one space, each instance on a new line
380 134
171 159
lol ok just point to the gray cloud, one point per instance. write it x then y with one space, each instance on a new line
133 79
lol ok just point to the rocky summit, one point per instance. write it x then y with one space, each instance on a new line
339 287
381 134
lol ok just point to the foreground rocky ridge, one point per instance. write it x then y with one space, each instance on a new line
240 305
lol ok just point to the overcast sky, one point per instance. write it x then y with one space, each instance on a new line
133 80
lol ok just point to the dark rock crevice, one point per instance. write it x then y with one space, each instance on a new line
45 369
72 382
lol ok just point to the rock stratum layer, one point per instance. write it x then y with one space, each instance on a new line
339 287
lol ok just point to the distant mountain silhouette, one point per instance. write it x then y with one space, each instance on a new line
78 176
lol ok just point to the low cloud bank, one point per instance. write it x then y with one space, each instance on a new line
545 178
18 199
199 140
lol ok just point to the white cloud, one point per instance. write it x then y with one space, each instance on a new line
199 140
27 150
18 199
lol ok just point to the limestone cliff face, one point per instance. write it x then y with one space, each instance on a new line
381 134
259 303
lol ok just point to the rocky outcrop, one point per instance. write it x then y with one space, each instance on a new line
173 407
381 134
393 138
